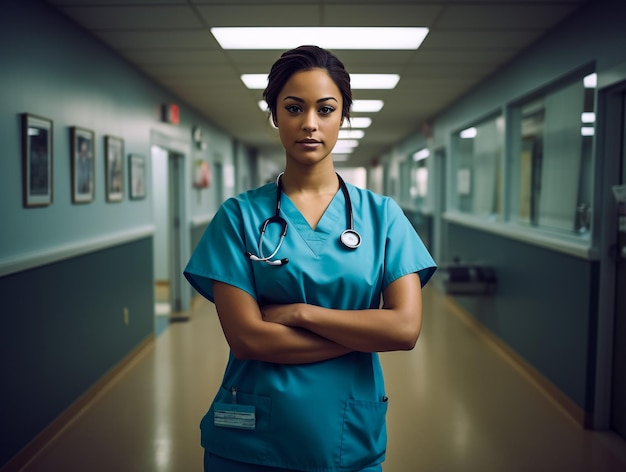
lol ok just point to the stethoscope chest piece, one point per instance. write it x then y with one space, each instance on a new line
350 239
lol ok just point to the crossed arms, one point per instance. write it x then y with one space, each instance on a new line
300 333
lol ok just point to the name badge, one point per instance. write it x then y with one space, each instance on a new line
234 415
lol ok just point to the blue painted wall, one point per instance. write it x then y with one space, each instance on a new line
542 307
546 305
63 328
68 271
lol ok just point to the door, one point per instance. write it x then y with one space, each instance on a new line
618 410
176 263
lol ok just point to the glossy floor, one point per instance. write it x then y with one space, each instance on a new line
455 405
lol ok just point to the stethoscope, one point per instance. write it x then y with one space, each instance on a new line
349 238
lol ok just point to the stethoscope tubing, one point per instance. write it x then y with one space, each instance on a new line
349 238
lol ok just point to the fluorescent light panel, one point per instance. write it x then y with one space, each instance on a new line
587 131
345 146
351 134
373 81
399 38
421 154
357 81
468 133
590 81
357 122
588 117
367 106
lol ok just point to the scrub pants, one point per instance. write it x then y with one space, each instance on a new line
213 463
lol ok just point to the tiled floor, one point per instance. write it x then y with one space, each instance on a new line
455 405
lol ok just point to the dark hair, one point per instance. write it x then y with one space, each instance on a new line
305 58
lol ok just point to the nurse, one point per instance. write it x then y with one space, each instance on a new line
297 270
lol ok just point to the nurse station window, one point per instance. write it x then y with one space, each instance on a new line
551 159
478 153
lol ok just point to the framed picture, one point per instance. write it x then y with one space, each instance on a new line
83 167
137 176
201 174
114 168
36 160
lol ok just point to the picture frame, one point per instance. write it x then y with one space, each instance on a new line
37 158
136 176
114 168
83 164
201 174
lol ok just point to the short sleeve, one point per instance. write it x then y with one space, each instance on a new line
220 254
405 253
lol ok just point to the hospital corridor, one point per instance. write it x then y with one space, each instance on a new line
457 402
153 147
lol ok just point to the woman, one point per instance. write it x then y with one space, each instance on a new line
303 389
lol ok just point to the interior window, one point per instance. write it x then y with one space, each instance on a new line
552 160
477 152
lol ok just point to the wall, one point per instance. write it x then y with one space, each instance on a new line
542 308
63 328
69 272
545 307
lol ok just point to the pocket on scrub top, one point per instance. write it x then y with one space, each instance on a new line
364 434
237 443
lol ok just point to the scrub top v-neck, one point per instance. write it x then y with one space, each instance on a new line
323 416
334 217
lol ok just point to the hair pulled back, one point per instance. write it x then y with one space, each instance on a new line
305 58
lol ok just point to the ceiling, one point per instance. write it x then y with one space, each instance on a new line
170 41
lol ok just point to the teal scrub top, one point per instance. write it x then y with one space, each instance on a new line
322 416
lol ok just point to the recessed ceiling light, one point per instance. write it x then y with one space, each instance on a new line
421 154
373 81
367 105
588 117
254 81
325 37
587 131
590 81
469 133
357 122
351 134
345 146
357 81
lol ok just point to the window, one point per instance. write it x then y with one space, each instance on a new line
414 179
477 153
551 173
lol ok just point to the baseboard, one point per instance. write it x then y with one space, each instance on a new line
28 452
567 406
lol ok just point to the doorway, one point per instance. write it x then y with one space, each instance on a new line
609 396
169 248
618 394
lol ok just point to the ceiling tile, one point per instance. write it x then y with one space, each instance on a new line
263 15
134 17
170 41
500 17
